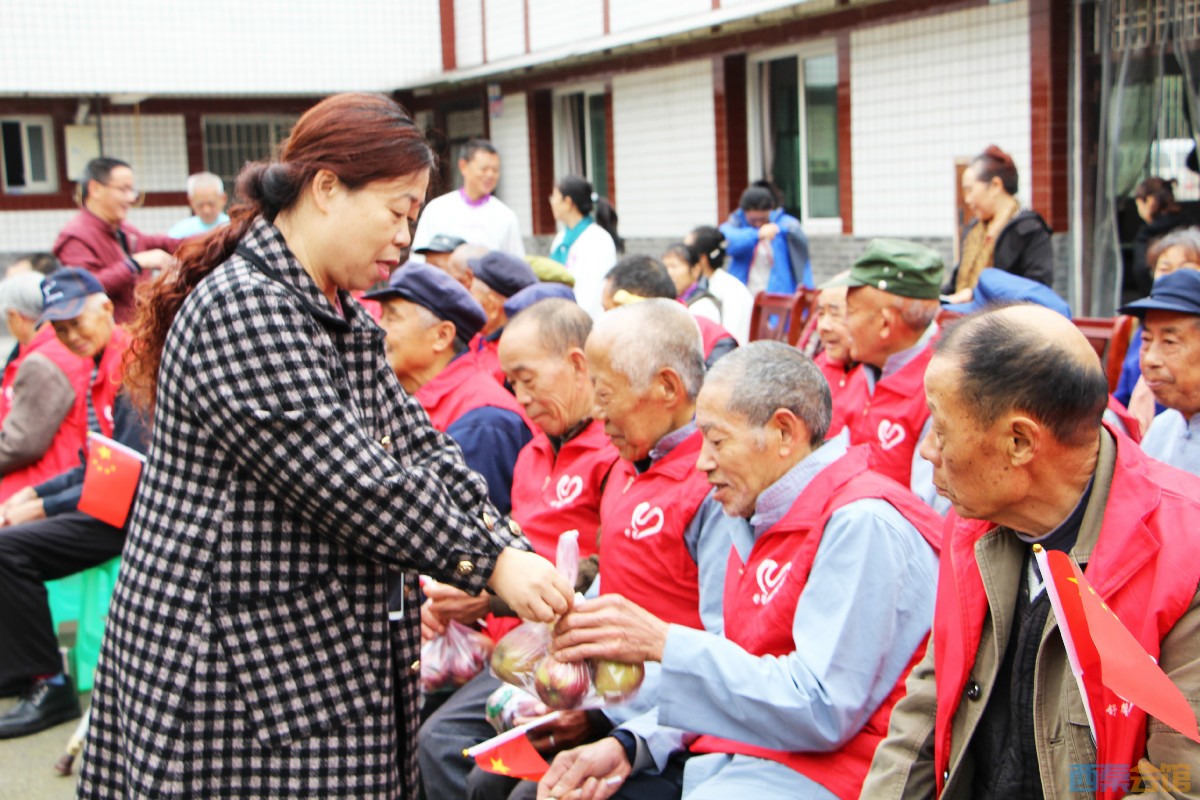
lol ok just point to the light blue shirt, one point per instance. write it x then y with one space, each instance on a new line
1174 440
193 226
865 609
921 480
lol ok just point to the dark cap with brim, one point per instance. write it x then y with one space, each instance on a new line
897 267
442 243
504 274
1178 292
65 293
532 294
433 289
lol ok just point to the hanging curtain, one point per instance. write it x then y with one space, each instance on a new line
571 118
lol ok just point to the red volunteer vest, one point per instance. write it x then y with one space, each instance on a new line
1133 428
461 387
63 452
551 495
711 333
642 522
761 598
1143 566
891 420
843 388
486 353
108 379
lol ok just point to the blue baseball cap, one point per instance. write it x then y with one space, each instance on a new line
433 289
532 294
504 274
1179 291
65 292
998 286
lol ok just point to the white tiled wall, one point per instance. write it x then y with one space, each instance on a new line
154 145
510 134
665 150
927 91
553 22
629 14
216 46
505 29
34 231
468 33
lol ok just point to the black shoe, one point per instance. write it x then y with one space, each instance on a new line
15 687
43 706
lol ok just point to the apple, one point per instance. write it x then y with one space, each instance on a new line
617 681
561 684
518 652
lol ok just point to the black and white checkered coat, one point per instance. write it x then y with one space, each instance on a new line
249 652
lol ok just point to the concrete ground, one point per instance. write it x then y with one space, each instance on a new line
27 764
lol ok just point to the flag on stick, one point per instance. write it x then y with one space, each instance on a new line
511 754
110 479
1101 647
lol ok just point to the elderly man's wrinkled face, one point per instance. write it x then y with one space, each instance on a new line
867 324
1171 359
733 455
634 417
547 386
409 337
831 323
88 334
207 202
969 464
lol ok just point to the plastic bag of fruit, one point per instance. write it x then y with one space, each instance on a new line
452 659
522 658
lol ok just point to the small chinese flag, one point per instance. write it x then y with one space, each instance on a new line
511 754
1102 646
110 479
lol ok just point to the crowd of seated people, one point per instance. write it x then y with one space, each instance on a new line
824 556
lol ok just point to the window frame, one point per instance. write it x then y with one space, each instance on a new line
589 90
242 119
754 122
50 153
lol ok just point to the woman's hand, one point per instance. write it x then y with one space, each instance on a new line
450 602
531 586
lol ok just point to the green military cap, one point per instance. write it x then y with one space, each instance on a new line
897 267
547 269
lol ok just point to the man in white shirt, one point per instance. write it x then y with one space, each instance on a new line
471 213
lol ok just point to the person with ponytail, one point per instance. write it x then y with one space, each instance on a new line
737 304
1002 235
587 243
768 250
291 485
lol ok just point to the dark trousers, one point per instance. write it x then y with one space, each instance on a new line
31 554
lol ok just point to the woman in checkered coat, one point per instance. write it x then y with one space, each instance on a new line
249 651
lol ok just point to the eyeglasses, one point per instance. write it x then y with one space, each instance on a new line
130 191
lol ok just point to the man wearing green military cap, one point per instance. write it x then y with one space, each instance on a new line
891 307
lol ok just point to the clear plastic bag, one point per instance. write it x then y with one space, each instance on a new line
522 658
506 704
453 658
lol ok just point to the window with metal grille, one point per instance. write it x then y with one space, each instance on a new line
231 142
27 149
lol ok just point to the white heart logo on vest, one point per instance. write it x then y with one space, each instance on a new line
569 488
770 580
647 520
890 434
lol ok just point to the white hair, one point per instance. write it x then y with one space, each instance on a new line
203 179
653 335
22 294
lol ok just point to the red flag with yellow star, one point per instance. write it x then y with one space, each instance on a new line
515 758
109 480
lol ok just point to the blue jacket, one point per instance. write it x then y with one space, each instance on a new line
790 250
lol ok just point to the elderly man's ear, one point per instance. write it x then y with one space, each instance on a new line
789 431
1023 439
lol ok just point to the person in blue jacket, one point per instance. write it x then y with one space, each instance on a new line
768 250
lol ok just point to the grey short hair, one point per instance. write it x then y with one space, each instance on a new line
916 314
560 324
765 376
22 294
653 335
202 179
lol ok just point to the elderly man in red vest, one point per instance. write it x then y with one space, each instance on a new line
42 535
891 307
827 601
1019 449
429 318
